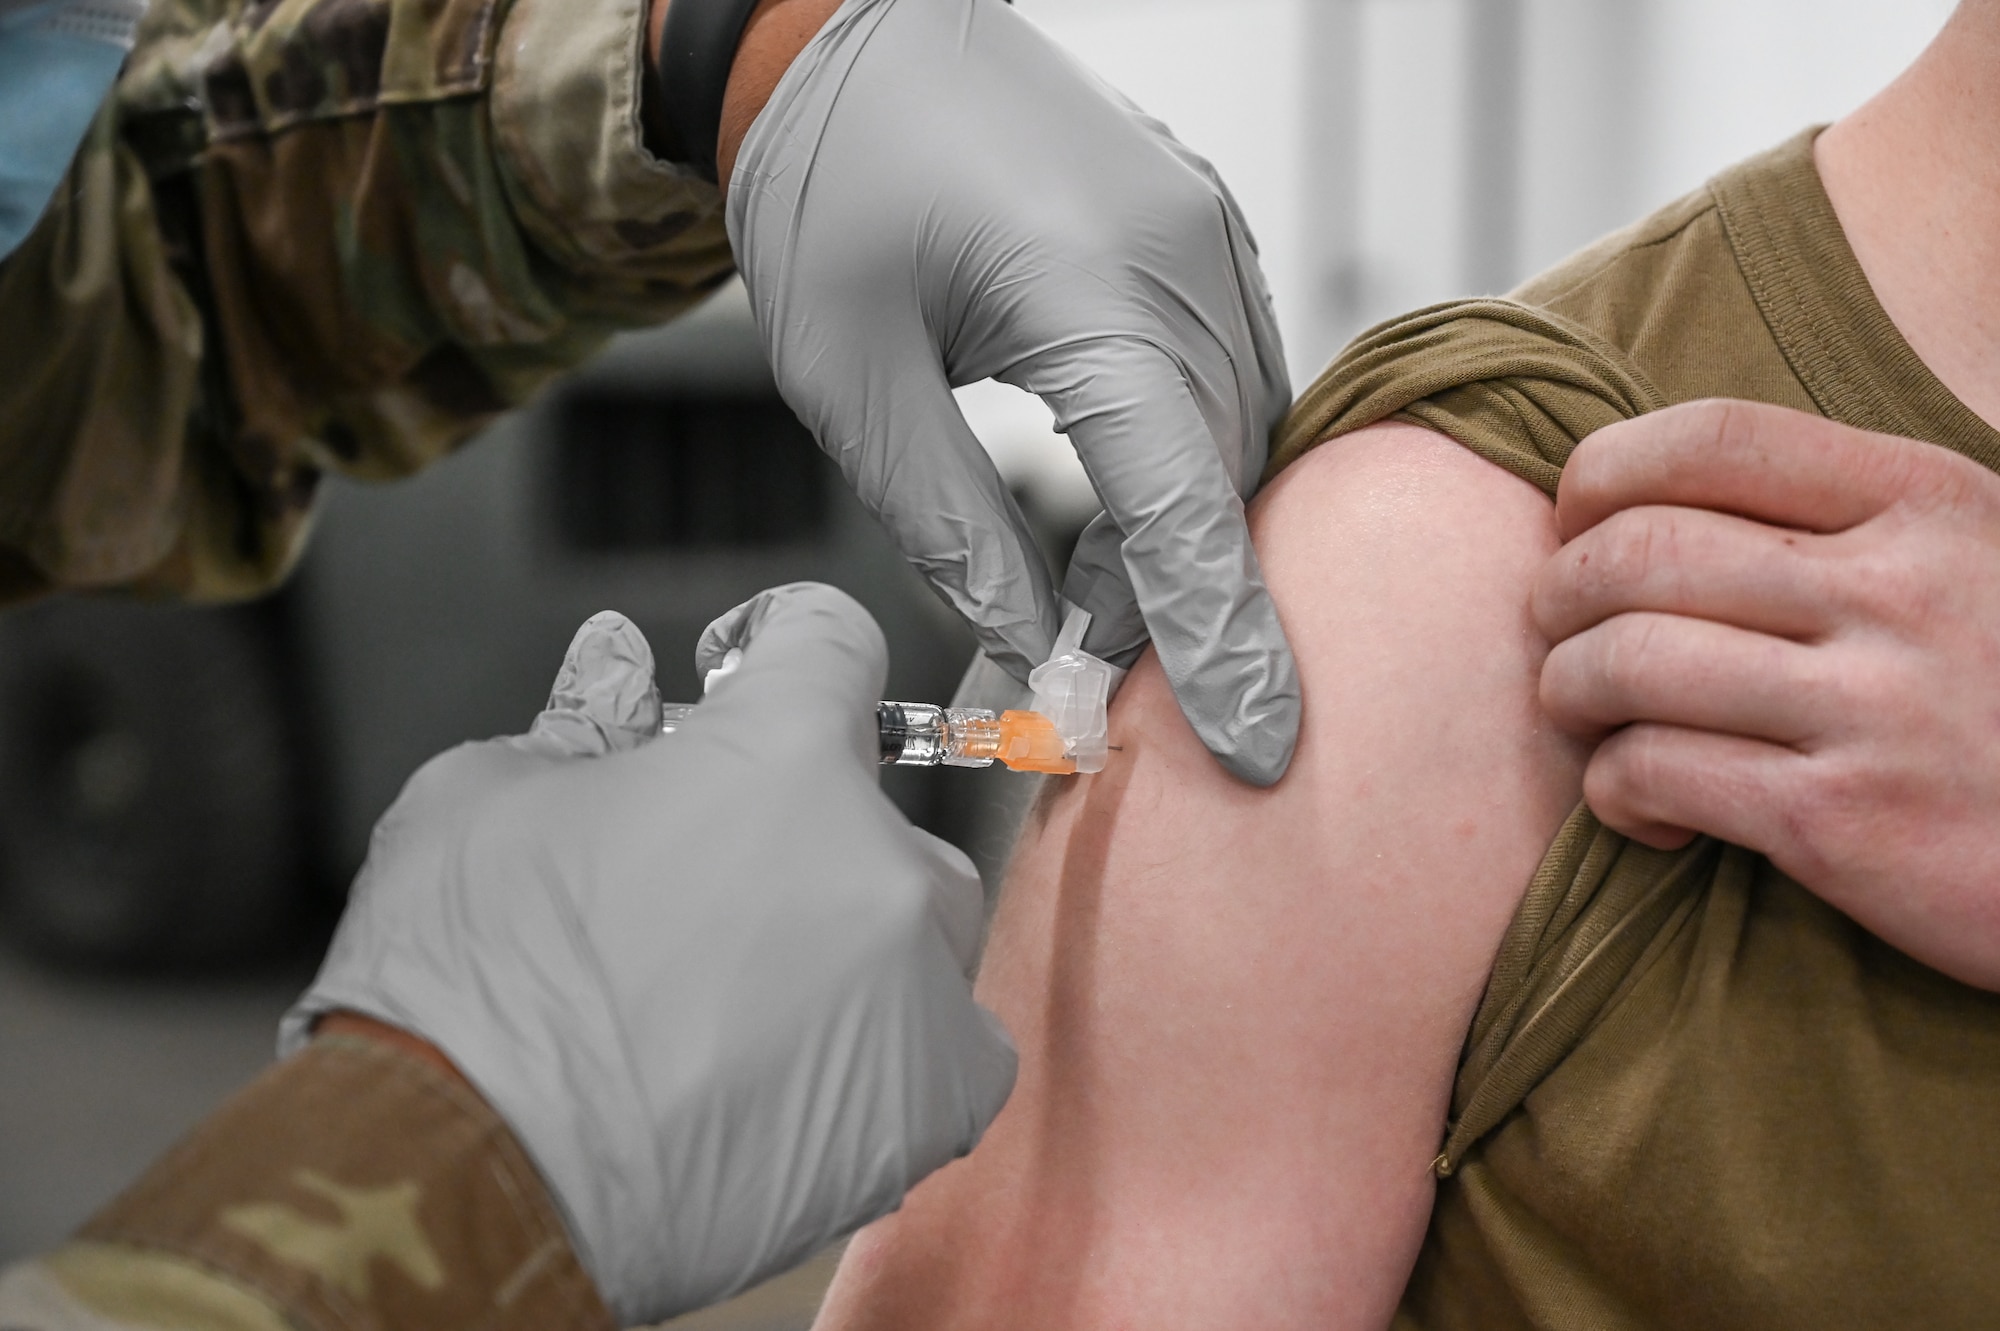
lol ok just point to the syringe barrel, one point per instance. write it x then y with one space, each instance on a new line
919 734
913 734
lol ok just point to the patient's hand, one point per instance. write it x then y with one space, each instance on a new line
1793 628
1239 1011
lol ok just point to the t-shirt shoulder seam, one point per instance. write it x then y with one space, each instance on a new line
1632 248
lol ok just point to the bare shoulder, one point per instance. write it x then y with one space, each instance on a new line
1400 485
1239 1010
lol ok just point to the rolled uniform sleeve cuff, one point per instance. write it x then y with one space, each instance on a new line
108 1287
351 1186
566 109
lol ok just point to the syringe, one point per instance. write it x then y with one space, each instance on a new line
1063 736
920 734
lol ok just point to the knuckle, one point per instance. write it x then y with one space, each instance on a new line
1886 580
1631 644
1824 690
1818 813
1714 423
1833 794
1631 776
1554 602
1596 679
1977 492
1612 779
1564 685
1864 686
1632 556
1925 476
1893 467
1689 434
1635 544
1765 429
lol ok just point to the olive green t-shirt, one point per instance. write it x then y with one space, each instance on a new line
1694 1095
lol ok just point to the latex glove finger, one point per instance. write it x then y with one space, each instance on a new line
604 699
1185 559
906 451
1269 384
814 663
1097 582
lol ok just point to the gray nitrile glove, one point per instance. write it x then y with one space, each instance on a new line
937 194
714 981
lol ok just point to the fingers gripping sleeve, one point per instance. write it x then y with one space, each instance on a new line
321 234
1519 386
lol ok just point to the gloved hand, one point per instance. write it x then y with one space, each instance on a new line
714 981
936 194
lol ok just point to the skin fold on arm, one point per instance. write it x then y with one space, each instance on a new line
1239 1011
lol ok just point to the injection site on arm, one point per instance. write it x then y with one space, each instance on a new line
1239 1011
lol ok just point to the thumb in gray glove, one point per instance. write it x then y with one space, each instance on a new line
936 194
714 981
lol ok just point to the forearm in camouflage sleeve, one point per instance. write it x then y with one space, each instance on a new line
320 234
351 1187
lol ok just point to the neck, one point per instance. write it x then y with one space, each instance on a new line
1914 176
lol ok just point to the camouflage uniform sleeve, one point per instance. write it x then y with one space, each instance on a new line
351 1187
320 234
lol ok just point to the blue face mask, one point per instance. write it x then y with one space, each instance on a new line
58 59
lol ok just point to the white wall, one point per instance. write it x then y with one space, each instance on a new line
1344 127
1724 78
1225 77
1626 104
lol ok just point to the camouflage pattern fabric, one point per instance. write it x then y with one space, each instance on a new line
90 1287
320 234
94 1287
352 1186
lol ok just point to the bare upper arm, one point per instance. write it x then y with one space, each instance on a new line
1239 1011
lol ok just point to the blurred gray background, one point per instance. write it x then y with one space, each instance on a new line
184 794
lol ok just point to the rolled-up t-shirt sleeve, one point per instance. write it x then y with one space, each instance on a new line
1694 1093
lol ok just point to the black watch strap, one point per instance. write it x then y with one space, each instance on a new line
697 49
